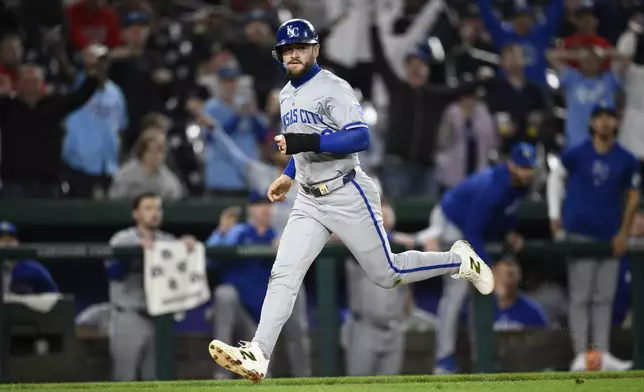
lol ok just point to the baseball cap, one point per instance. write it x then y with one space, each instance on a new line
603 108
229 72
255 197
467 89
8 228
422 52
524 155
256 15
135 18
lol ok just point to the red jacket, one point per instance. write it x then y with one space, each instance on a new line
582 40
93 27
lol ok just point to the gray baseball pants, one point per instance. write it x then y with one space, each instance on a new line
353 213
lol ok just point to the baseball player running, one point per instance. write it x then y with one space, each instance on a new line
324 130
482 207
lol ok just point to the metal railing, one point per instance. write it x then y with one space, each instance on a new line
326 266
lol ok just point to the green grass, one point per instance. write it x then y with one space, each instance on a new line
527 382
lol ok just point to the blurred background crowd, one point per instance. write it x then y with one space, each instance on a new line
421 68
187 96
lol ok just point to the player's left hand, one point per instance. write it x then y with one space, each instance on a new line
190 242
515 240
619 243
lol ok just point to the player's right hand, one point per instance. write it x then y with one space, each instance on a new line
281 144
279 188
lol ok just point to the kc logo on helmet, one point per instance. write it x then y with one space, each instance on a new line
292 31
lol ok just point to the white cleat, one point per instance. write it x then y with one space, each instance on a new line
611 363
473 268
247 360
579 363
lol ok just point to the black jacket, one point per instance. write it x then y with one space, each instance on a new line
414 115
32 136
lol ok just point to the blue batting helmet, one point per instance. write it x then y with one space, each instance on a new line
294 31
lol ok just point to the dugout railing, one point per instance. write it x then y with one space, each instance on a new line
197 212
326 266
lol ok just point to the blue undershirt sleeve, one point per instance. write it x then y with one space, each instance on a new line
346 142
290 168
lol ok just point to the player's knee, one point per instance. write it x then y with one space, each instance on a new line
226 294
292 280
383 279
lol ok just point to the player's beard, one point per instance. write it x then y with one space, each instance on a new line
306 67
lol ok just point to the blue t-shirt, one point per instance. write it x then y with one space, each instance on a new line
248 276
246 131
582 95
524 313
91 141
484 205
596 189
534 44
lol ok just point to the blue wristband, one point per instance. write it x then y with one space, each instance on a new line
290 168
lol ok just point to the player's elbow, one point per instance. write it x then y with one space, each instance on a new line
363 140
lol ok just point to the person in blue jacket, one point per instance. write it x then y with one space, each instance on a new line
24 276
239 297
534 38
483 207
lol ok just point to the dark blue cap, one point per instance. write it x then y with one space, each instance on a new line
8 228
422 52
524 155
256 198
603 108
135 18
229 72
256 15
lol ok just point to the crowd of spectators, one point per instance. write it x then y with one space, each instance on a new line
448 87
113 99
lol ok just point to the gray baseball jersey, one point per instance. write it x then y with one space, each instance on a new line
131 330
326 104
128 292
